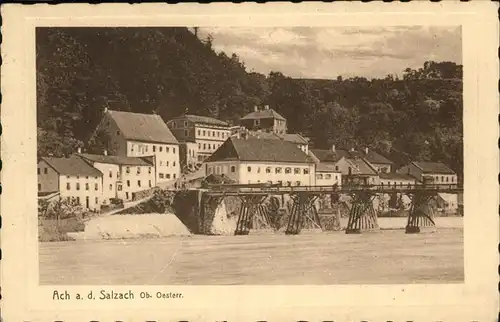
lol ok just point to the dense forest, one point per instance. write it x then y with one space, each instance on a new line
81 71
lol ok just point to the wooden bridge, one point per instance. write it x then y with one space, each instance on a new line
362 215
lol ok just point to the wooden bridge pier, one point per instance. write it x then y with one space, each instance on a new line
251 207
303 205
362 216
421 215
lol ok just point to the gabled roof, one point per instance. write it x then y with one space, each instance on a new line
371 156
289 137
113 159
433 167
263 114
329 155
198 119
362 167
253 149
143 127
325 167
72 166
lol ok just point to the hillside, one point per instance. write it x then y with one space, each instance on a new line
80 71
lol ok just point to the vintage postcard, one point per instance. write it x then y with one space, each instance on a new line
277 162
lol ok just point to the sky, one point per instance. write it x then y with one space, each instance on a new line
371 52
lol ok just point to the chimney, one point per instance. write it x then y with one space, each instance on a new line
256 108
366 150
79 150
333 147
266 107
105 152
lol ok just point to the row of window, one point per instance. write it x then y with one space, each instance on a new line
280 182
207 146
166 176
167 163
127 170
139 184
144 148
87 186
327 176
214 134
444 179
77 199
288 170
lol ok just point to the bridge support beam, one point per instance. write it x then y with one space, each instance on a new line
303 205
362 215
421 216
249 209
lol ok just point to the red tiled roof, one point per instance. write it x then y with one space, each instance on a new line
143 127
253 149
72 166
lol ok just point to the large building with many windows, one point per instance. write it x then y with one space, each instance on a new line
199 137
71 179
129 134
253 160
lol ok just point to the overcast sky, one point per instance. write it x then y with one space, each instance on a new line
347 51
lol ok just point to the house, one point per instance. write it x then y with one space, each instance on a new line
266 120
72 178
447 202
327 175
397 179
378 161
436 172
254 160
199 136
357 171
122 176
297 139
129 134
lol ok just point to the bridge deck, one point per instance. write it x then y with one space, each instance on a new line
228 190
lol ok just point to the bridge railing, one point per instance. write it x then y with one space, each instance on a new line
332 189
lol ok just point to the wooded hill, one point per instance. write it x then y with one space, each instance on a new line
80 71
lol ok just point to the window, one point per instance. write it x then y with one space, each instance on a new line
110 187
208 133
77 199
233 168
96 200
213 133
447 179
204 133
173 150
44 170
126 195
149 170
306 171
336 168
222 134
280 182
154 148
218 134
173 164
256 122
173 124
174 175
442 178
131 148
127 169
452 179
161 148
138 183
128 183
161 175
96 187
38 170
199 146
204 146
78 186
213 146
68 186
296 171
328 176
199 132
119 187
258 170
39 187
167 149
138 170
319 176
298 183
110 174
288 170
278 170
150 183
185 123
268 170
249 169
168 175
146 148
186 132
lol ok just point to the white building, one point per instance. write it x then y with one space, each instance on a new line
254 160
141 135
438 172
122 176
72 178
328 175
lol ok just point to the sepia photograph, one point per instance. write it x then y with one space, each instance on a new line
250 156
